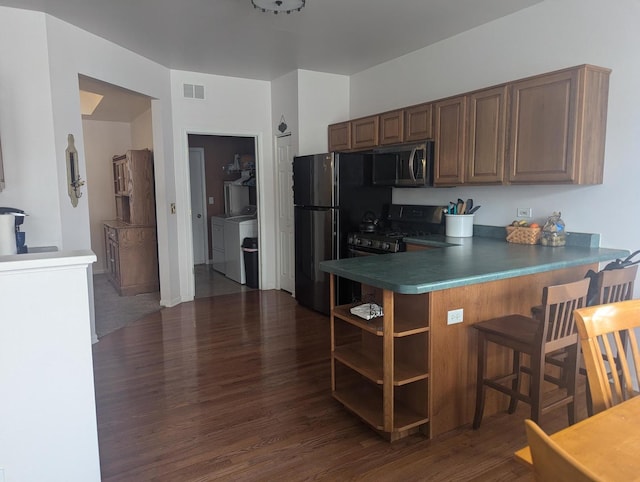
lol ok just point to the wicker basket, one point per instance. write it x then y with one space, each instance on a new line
523 235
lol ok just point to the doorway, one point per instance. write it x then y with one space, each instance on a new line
225 160
120 122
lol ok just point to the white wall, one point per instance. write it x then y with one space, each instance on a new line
39 106
26 126
102 141
284 102
551 35
142 131
323 100
236 107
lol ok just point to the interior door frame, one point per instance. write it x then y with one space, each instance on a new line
203 200
187 278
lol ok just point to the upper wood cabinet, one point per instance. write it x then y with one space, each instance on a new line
545 129
486 132
340 137
392 127
365 132
134 187
449 149
418 122
557 127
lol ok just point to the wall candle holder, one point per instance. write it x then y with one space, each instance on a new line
73 172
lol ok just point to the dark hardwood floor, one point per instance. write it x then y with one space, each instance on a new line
237 387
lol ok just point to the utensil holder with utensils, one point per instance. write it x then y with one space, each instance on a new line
459 225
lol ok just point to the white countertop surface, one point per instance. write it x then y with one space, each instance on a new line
49 259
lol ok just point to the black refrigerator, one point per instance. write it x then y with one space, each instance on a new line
331 194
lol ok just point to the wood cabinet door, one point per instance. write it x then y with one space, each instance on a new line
365 132
543 127
340 137
392 127
486 114
449 151
113 256
418 122
142 204
120 177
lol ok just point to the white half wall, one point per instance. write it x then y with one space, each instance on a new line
49 429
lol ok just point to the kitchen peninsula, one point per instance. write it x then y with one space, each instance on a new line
411 370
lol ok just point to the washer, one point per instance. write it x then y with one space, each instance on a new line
235 230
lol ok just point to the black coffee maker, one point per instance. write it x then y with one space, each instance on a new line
20 236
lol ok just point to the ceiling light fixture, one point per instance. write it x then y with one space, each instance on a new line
277 6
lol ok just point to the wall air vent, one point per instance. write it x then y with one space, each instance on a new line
192 91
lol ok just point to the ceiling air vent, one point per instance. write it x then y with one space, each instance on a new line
192 91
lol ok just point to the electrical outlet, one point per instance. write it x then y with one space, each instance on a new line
524 213
172 206
454 316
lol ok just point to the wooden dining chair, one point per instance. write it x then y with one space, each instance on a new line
611 352
611 286
537 337
551 462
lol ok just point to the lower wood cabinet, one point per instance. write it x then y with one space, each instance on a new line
132 257
381 367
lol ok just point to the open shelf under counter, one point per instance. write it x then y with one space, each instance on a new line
370 366
366 402
403 326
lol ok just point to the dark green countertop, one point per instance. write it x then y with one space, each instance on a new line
462 261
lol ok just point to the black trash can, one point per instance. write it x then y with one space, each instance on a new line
250 253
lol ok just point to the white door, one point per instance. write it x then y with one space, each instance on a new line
286 244
198 206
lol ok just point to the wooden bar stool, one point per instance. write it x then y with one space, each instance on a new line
611 286
537 337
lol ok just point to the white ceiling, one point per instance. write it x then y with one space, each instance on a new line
230 37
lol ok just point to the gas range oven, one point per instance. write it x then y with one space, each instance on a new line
404 220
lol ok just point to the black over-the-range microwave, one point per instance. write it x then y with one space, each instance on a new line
405 165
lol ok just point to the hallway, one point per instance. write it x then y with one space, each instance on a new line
114 311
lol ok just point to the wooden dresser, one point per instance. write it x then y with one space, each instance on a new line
130 240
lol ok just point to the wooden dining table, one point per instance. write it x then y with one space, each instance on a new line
608 443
